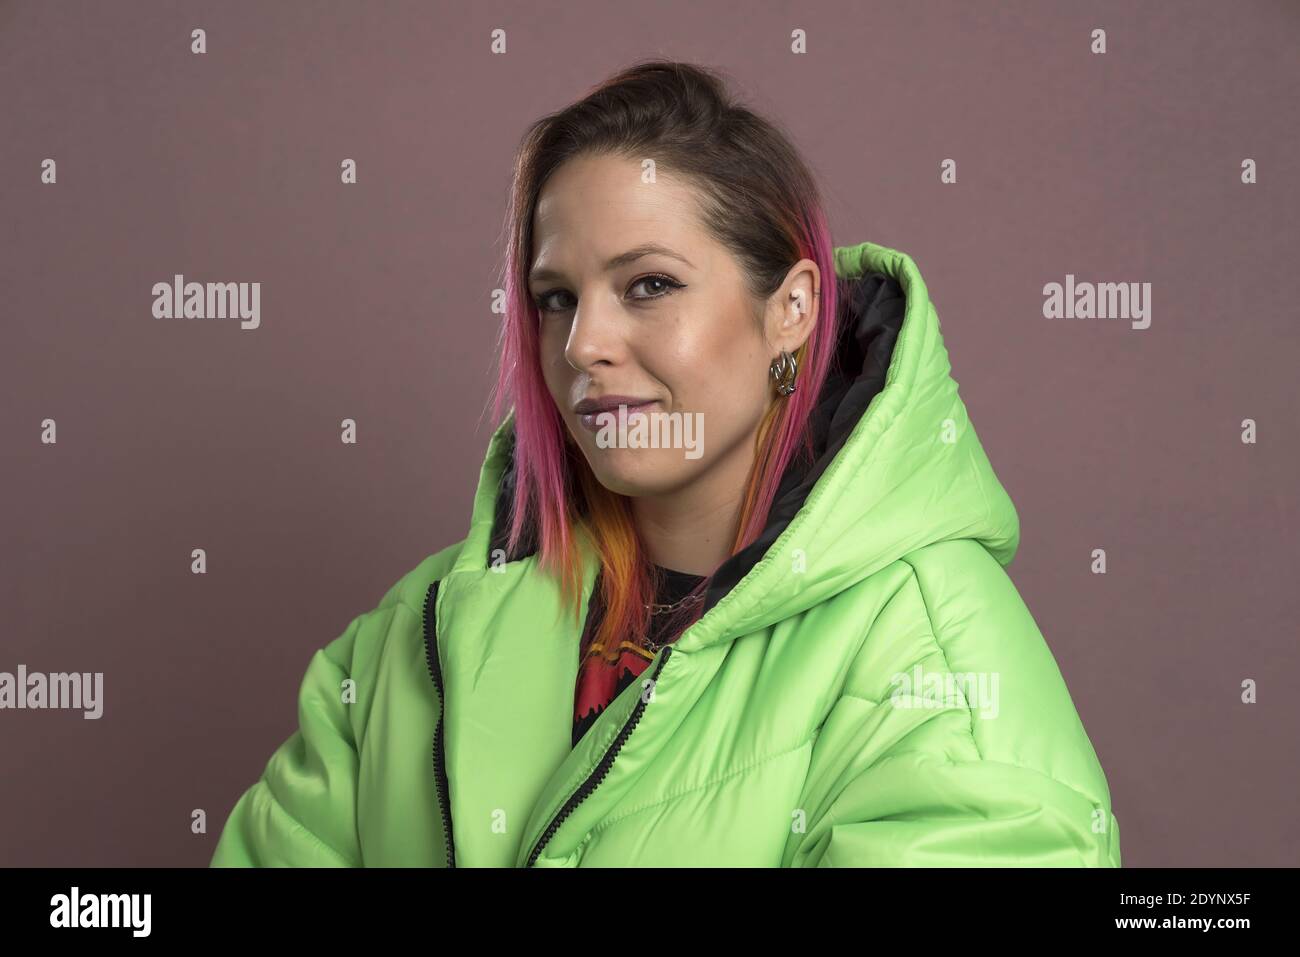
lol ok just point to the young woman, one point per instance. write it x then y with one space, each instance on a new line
782 637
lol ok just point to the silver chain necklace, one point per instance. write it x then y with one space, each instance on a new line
656 609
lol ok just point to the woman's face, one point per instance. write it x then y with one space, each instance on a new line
672 325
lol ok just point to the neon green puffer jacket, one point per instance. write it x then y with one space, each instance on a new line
865 688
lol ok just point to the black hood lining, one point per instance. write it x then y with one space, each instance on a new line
871 309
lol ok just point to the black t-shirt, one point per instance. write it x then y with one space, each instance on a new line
676 585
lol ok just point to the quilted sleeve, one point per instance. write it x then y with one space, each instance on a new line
955 741
302 811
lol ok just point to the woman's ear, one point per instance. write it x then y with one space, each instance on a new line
792 310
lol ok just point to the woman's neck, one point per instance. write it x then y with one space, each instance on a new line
692 529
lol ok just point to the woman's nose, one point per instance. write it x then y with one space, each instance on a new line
594 336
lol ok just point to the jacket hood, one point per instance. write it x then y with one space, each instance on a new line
897 466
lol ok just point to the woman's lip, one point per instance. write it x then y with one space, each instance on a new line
592 420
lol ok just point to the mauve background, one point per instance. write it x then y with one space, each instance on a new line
376 306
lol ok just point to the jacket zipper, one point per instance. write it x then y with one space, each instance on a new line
439 755
602 768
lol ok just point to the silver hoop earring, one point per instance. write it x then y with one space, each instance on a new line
783 369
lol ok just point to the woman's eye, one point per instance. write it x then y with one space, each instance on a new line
660 286
544 304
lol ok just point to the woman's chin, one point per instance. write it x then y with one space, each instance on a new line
637 472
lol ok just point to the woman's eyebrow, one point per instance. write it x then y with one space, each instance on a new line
622 259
